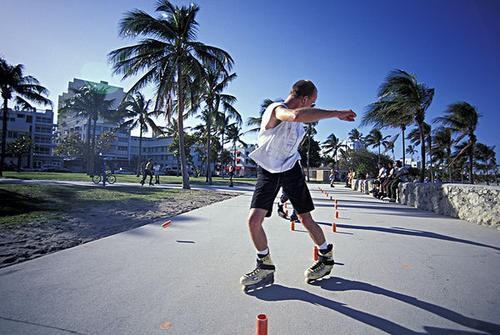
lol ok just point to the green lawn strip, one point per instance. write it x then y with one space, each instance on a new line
120 178
22 203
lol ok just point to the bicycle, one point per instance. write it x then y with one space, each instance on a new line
110 178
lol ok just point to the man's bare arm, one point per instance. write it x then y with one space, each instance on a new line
308 114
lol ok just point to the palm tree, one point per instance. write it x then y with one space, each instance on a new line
234 135
355 135
333 145
384 113
222 122
375 139
89 102
135 112
172 131
214 84
484 158
255 122
442 143
402 99
171 57
24 90
415 136
410 150
462 118
310 131
389 145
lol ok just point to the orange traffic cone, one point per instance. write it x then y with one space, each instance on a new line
334 227
261 328
166 224
315 253
337 214
292 225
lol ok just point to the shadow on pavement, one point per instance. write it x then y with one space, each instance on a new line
41 325
412 232
281 293
337 284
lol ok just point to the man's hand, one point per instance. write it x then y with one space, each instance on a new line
347 115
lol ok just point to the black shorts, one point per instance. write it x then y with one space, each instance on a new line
293 183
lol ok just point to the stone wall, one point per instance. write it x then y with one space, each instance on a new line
479 204
475 203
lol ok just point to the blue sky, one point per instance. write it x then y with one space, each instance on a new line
346 47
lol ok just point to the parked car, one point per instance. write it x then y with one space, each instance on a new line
123 171
54 169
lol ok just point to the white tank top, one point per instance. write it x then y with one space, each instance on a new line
278 146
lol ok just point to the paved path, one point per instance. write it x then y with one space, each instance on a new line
399 270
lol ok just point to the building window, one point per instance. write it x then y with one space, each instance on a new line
29 119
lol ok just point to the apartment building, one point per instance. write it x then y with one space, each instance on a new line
39 126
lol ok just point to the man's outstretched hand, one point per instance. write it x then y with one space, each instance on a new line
347 115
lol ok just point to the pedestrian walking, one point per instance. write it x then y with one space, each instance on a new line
156 169
148 171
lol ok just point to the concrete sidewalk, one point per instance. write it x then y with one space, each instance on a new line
215 187
399 270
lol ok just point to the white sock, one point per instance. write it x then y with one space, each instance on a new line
324 246
263 253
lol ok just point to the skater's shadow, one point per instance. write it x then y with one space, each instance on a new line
279 292
412 232
337 284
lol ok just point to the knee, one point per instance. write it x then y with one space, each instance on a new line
255 221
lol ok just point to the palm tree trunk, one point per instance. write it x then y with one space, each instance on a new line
138 170
422 150
4 134
430 158
471 158
221 153
208 178
92 156
448 157
403 128
87 140
19 158
378 160
180 125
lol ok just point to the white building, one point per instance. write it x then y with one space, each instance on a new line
68 122
354 145
124 151
244 165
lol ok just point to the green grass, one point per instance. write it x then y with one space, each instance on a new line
120 178
21 203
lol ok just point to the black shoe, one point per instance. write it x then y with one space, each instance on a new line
281 212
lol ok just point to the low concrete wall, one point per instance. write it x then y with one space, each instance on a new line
475 203
479 204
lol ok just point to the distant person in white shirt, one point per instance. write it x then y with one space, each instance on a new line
277 156
156 169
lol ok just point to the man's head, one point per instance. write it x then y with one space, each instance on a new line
399 164
303 94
